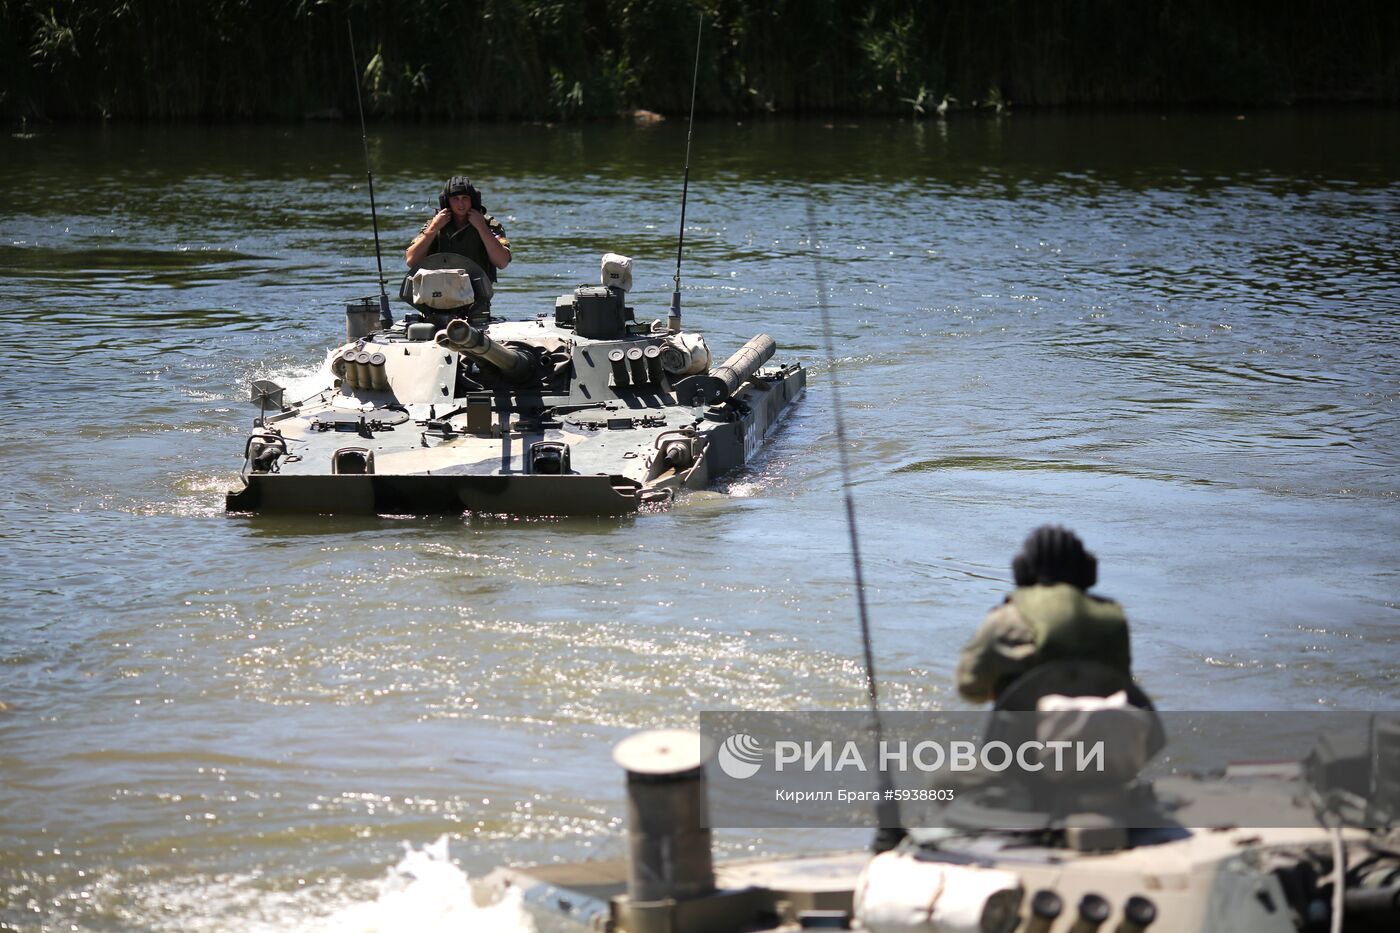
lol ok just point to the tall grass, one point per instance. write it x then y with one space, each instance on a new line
561 59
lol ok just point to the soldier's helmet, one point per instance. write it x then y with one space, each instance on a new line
1053 554
459 184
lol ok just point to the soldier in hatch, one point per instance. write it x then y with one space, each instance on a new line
462 227
1049 617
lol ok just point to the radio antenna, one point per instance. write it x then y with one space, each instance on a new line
384 316
887 810
674 323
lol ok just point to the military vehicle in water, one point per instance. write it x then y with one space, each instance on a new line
583 410
1328 860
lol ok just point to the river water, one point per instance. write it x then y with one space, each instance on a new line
1177 335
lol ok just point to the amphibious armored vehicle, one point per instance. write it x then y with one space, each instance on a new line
584 410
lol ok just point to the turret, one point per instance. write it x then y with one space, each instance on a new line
516 365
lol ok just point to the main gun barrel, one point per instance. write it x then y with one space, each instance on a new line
462 337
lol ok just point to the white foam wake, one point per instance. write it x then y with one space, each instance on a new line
305 383
426 893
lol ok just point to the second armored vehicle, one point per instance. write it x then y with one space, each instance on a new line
585 410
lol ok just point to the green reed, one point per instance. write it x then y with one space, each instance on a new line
580 59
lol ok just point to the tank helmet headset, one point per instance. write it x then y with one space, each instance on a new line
1053 554
459 184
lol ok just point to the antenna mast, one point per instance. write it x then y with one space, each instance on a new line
887 810
674 323
384 316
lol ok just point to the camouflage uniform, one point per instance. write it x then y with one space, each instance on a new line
465 241
1039 624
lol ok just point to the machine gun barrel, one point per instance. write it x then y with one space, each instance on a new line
462 337
745 362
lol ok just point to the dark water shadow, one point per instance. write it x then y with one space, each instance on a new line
997 464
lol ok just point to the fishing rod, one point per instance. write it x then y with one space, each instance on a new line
887 809
673 324
384 316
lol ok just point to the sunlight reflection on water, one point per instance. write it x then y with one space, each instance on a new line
1191 360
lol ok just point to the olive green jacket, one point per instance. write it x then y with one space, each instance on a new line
466 241
1038 624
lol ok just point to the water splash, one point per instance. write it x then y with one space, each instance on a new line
304 382
426 893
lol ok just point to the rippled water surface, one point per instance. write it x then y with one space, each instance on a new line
1178 336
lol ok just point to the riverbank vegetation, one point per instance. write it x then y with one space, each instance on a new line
559 60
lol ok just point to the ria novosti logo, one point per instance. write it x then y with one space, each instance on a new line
740 756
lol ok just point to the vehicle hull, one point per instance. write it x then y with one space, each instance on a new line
427 494
410 440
